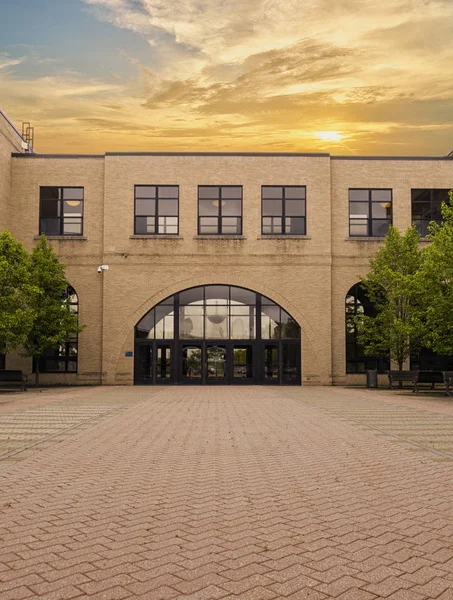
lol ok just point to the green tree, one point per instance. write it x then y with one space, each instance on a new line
16 291
53 322
436 278
397 329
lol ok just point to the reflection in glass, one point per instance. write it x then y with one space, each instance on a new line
270 322
191 362
193 295
242 362
289 327
191 322
242 296
290 362
217 294
163 362
164 317
145 361
216 322
216 362
271 363
242 322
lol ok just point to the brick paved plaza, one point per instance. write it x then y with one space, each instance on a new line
253 493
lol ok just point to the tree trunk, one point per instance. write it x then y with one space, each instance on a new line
400 367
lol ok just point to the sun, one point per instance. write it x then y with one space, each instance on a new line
329 136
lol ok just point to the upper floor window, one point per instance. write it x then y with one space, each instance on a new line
156 209
219 210
283 210
61 210
370 212
426 207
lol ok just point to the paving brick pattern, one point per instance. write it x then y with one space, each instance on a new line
428 427
53 416
252 493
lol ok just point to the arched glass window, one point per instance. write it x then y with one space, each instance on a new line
357 302
63 358
217 334
217 312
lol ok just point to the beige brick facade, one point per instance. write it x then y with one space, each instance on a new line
309 276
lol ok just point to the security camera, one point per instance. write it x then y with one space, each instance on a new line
99 269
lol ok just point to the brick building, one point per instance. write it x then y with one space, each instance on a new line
222 267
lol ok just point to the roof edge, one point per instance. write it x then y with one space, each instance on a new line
35 155
13 127
354 157
164 153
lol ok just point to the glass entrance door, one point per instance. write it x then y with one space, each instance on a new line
163 363
290 364
153 363
242 360
216 364
144 364
191 363
270 369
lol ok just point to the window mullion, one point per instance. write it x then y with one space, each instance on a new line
283 211
156 213
219 225
61 214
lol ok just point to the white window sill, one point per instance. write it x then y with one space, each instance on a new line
359 238
63 237
219 237
156 236
283 237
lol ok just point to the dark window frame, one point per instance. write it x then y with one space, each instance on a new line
370 219
219 216
283 215
67 358
422 224
61 217
156 208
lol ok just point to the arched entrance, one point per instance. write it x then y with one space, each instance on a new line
217 334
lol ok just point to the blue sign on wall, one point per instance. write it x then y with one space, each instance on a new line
128 353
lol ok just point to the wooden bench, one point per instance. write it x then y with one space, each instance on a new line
401 376
434 377
10 378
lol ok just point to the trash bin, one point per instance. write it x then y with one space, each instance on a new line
371 378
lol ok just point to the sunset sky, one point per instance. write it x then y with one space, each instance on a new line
339 76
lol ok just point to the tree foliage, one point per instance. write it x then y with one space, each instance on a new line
53 320
16 291
393 285
35 313
436 280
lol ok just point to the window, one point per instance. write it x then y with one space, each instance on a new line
370 212
217 312
426 207
61 210
358 303
2 361
283 210
63 358
156 209
219 210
